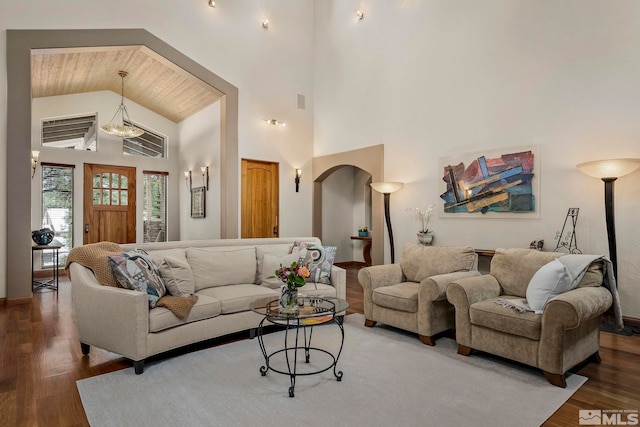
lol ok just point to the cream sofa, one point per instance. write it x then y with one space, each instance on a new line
227 276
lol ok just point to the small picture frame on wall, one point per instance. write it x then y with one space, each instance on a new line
198 202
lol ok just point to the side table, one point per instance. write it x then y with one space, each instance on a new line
51 283
366 249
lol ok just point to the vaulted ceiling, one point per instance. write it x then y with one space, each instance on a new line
153 82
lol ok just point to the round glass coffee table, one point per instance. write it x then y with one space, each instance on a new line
312 311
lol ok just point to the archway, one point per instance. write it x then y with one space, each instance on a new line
19 45
371 160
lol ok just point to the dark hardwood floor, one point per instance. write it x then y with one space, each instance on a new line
40 362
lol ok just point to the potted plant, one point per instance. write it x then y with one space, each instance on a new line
425 236
363 231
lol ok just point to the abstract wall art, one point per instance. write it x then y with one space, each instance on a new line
495 182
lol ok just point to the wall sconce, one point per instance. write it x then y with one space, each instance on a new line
275 122
360 15
386 188
212 3
35 155
265 24
298 175
187 180
205 176
608 171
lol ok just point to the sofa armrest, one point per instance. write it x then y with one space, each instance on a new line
571 314
374 277
570 309
114 319
462 293
339 281
434 288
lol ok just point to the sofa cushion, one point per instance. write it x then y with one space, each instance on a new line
317 290
320 260
177 276
402 296
270 264
235 298
134 270
494 316
158 255
419 261
277 250
514 268
161 318
221 266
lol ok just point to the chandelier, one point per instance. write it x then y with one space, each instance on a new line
119 129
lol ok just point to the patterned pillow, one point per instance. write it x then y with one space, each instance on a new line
319 259
135 270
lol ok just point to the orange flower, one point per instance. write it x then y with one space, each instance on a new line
303 271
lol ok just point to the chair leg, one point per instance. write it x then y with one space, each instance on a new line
557 380
464 350
369 323
427 340
138 366
595 358
85 348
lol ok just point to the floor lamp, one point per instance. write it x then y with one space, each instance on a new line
608 171
386 188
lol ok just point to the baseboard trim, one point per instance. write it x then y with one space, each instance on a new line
350 264
631 321
16 301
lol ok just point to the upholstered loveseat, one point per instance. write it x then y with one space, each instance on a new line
228 274
412 295
493 316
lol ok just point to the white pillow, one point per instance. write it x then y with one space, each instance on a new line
177 276
550 280
270 263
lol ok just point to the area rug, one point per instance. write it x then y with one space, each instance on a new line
390 379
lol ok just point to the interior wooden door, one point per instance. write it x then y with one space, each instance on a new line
260 199
109 204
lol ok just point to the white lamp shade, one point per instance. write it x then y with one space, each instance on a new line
612 168
386 187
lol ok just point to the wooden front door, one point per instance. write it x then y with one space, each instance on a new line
260 199
109 204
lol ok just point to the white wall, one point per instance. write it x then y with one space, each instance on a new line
337 212
109 152
270 68
434 78
361 209
200 146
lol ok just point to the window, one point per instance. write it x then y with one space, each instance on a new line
77 132
155 206
57 208
148 144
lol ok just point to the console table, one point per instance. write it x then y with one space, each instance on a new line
51 283
366 249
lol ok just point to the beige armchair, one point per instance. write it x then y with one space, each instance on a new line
412 295
565 334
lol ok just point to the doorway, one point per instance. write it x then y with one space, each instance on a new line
109 206
260 199
369 160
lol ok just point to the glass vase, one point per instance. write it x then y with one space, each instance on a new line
289 299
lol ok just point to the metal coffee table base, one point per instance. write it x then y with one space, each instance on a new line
291 353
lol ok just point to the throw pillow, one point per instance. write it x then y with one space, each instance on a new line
320 260
177 276
550 280
270 263
135 270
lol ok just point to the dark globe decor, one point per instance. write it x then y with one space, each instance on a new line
44 236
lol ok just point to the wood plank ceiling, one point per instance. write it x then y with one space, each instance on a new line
153 82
